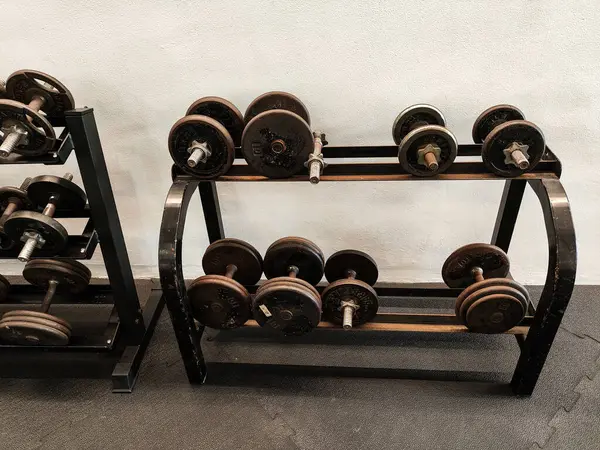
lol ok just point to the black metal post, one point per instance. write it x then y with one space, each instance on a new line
211 210
82 126
562 265
508 213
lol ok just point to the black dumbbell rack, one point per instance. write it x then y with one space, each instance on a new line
110 330
534 335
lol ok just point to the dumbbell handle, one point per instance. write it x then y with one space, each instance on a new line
231 270
477 274
315 161
52 285
348 307
293 271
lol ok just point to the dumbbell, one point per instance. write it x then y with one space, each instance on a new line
219 298
12 199
350 298
25 327
40 230
491 303
288 301
203 142
26 130
277 140
4 288
425 146
2 89
511 144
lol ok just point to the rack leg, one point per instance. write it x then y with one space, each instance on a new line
508 212
562 266
212 210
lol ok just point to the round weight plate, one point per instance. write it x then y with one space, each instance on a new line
341 262
490 290
10 194
299 241
24 85
286 281
69 275
277 143
288 307
219 302
349 290
4 287
244 256
476 287
223 111
495 313
416 116
276 100
30 333
49 321
501 137
201 129
491 118
40 134
52 231
297 252
408 150
70 197
2 89
25 314
73 265
457 269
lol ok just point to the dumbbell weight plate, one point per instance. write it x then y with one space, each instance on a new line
49 320
298 252
31 333
70 197
491 118
73 265
9 194
227 251
276 100
25 314
277 143
501 137
219 302
40 134
288 305
23 85
490 290
419 138
362 264
414 116
2 89
488 283
52 231
4 287
202 129
69 275
349 290
457 269
495 313
223 111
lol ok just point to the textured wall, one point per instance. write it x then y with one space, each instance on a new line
355 64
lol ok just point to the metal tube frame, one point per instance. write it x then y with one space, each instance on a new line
534 335
113 347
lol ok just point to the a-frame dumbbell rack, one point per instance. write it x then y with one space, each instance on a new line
534 335
110 330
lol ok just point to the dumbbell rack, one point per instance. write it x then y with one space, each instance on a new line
110 330
534 335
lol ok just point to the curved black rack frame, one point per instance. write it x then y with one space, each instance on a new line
534 335
110 330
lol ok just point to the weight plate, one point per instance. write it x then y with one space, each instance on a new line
48 321
11 194
69 197
285 281
30 333
457 269
53 232
223 111
495 313
228 251
277 143
3 93
25 313
416 116
276 100
40 134
201 129
289 307
491 118
408 150
24 85
341 262
349 290
219 302
501 137
475 287
484 292
4 288
297 252
69 275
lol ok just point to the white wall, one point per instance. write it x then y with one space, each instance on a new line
356 64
